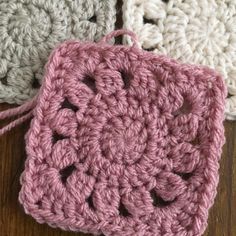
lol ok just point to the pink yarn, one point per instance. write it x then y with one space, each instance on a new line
123 142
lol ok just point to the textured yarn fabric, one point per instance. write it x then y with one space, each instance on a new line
193 31
30 29
122 142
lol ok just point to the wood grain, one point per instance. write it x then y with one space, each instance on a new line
14 222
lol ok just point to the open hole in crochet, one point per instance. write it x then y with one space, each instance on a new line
126 79
158 201
90 201
93 19
123 211
195 141
209 83
66 172
39 203
4 80
149 49
88 172
90 82
148 21
185 176
35 83
184 109
67 104
57 137
166 1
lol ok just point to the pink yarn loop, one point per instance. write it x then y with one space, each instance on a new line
27 107
116 33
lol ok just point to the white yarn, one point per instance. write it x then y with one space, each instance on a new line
193 31
30 29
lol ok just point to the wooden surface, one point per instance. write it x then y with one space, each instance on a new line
13 221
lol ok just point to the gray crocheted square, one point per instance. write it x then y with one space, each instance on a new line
30 29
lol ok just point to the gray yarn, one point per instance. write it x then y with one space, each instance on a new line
30 29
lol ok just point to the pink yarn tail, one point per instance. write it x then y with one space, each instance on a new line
27 107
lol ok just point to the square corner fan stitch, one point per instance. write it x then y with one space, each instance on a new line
192 31
30 29
122 142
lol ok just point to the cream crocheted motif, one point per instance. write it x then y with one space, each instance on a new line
194 31
30 29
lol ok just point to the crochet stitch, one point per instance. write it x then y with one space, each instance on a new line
30 29
193 31
123 142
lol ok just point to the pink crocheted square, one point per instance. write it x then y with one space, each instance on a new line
124 142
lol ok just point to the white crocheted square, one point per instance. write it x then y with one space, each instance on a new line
30 29
194 31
